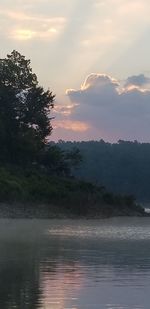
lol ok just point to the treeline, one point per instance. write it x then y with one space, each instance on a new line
122 167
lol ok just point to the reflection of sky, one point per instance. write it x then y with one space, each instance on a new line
61 288
67 40
44 266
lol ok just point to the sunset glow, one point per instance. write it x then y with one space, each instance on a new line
69 40
76 126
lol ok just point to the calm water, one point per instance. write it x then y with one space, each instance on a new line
75 264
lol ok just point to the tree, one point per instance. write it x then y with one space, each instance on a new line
60 162
24 111
15 71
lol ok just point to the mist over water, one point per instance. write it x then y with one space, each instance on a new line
75 264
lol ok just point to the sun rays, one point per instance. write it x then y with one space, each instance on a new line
67 40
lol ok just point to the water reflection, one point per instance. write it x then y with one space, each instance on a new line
19 277
43 266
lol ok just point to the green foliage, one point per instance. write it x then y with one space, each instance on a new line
11 188
15 71
59 162
24 111
54 195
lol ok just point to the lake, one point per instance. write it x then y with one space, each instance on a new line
75 264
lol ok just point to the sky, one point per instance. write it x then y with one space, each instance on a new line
94 55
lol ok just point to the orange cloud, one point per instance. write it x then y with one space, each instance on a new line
27 34
27 27
76 126
23 34
65 110
21 16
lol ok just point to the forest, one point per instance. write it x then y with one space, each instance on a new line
123 167
38 178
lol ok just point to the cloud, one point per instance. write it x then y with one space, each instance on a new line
27 34
76 126
63 109
22 16
137 80
20 25
94 86
112 110
134 7
23 34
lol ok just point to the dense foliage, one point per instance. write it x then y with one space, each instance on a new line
24 111
122 167
33 193
56 161
25 121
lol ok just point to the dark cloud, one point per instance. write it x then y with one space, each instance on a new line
96 88
115 111
137 80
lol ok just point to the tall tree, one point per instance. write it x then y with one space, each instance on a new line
24 110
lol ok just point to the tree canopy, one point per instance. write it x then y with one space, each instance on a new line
123 167
24 110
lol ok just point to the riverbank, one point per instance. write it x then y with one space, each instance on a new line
33 194
47 211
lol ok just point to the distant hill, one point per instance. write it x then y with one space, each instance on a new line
122 167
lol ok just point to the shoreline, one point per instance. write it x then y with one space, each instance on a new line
49 211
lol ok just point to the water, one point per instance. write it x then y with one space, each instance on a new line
75 264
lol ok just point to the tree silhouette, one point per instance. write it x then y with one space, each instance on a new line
24 111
